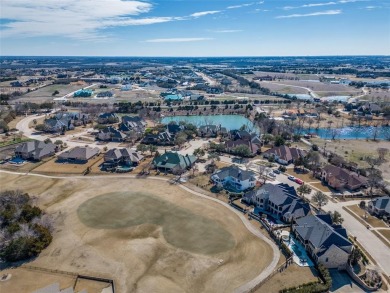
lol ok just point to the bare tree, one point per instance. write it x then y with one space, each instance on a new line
382 153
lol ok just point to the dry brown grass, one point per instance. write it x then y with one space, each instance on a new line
13 123
52 167
25 280
139 258
292 276
386 234
372 220
321 187
308 177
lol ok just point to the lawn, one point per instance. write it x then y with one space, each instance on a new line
321 187
308 177
385 233
373 221
292 276
10 140
64 168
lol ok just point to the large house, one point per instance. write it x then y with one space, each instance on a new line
339 178
173 162
111 134
233 176
121 157
166 137
35 150
135 125
211 130
284 155
232 144
79 155
105 118
63 121
326 243
380 207
281 201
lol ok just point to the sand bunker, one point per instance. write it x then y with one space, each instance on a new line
181 227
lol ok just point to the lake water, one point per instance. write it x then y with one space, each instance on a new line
231 122
305 97
362 132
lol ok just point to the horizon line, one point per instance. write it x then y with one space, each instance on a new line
203 56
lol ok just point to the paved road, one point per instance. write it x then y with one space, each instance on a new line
243 288
23 125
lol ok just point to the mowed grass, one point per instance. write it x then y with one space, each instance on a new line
181 227
385 233
372 220
53 166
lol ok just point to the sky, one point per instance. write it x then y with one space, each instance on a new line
194 27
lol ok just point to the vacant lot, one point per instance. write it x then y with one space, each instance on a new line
139 237
356 150
54 167
45 93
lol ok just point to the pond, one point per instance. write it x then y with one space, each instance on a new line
230 122
356 132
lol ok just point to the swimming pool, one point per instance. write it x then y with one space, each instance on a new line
17 161
300 256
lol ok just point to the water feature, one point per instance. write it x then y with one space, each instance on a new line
305 97
300 256
230 122
340 99
353 132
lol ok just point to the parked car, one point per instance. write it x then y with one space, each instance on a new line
276 171
292 178
272 175
299 181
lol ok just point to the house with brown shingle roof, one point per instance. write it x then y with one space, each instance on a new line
339 178
284 155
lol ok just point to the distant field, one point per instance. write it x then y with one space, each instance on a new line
45 94
283 89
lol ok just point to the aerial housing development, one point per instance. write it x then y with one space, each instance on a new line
247 177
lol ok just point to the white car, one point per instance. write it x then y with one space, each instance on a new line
272 175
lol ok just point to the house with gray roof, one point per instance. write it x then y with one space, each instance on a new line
325 242
280 201
78 155
211 130
105 118
173 162
380 207
234 177
35 150
111 134
121 157
64 121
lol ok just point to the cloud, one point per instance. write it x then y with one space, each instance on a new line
328 12
178 40
244 5
226 31
79 19
322 4
203 13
